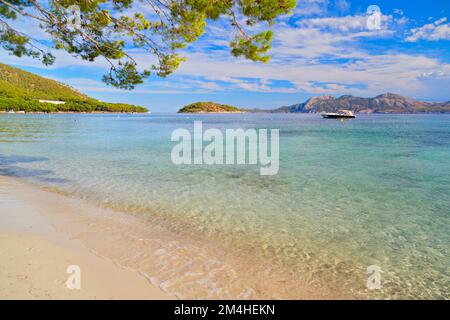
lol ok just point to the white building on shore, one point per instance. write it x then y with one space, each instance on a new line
52 101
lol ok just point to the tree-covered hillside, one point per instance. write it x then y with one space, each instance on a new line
21 90
204 107
18 83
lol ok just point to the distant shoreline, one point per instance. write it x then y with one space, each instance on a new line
94 112
312 113
387 103
205 112
218 113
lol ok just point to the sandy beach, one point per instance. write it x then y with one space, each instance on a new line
43 232
35 255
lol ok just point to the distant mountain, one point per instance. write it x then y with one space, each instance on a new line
208 107
22 91
385 103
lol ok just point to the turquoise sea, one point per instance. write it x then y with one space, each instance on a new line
370 191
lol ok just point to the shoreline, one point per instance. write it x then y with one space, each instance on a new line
225 112
94 112
172 265
35 255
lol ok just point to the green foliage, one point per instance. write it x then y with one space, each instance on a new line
30 105
161 28
18 83
253 48
203 107
21 91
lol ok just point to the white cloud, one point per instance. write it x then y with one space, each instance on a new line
322 56
438 30
311 8
402 21
182 86
436 75
63 60
318 55
342 5
342 24
370 75
334 37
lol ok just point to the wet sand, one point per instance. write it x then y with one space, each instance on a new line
34 256
42 232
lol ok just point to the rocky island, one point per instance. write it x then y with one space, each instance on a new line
384 103
209 107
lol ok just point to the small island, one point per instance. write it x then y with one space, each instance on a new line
209 107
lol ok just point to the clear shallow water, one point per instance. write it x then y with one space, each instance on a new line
371 191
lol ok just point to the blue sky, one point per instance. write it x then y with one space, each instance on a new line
323 47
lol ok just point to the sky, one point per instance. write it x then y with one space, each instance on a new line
323 48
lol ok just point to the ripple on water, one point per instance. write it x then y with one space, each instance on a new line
347 196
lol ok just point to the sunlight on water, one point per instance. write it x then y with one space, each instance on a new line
370 191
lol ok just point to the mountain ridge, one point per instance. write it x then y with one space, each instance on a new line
383 103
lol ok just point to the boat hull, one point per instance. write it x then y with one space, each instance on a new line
337 116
